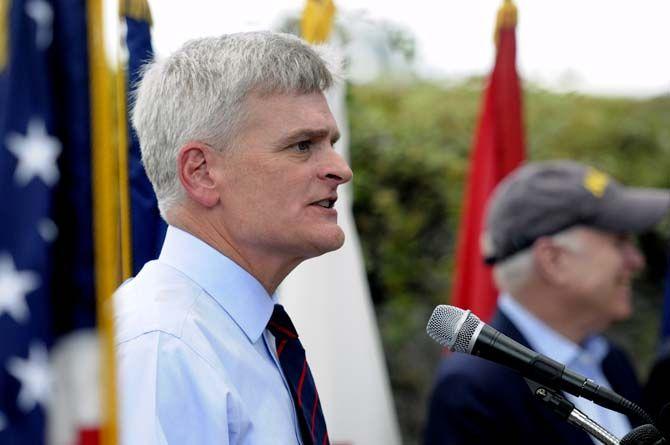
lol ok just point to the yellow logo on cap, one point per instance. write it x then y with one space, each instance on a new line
596 182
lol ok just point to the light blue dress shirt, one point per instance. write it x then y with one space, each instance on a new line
195 362
586 359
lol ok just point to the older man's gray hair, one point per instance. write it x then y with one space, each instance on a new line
513 273
197 94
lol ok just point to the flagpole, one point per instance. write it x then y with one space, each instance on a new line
107 240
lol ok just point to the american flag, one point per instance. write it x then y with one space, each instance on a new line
49 358
47 298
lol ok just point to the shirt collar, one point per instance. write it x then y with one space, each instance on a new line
547 341
240 294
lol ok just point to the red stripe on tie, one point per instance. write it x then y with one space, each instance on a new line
301 381
280 348
325 439
316 403
283 330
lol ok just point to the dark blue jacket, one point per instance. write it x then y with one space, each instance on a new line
476 401
657 388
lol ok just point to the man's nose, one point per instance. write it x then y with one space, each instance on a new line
336 169
633 257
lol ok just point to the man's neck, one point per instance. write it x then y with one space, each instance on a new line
548 307
269 270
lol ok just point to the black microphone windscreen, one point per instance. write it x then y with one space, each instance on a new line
643 435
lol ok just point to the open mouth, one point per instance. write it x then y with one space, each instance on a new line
325 203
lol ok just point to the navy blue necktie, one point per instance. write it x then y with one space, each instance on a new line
296 370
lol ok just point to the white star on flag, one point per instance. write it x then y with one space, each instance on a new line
47 229
43 14
36 152
34 375
14 286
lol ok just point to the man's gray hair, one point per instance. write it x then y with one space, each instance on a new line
198 93
512 273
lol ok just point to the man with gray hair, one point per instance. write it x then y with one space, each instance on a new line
559 236
237 140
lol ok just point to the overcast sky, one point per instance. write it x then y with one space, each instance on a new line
596 46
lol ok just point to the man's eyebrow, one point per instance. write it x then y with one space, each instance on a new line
308 133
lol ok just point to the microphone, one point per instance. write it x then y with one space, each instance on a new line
644 435
651 434
462 331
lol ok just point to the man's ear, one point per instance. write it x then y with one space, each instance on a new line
549 260
196 164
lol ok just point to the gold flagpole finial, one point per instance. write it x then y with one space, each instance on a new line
317 20
136 9
506 18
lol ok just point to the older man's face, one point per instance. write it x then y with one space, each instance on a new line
601 274
280 178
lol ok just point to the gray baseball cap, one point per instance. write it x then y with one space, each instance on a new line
544 198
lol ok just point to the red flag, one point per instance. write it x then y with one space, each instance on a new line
498 149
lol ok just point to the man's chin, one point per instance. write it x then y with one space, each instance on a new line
624 310
329 242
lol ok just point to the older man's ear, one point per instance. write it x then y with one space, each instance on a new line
196 166
550 261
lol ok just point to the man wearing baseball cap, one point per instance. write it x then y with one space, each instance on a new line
559 237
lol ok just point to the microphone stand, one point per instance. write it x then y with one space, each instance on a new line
567 411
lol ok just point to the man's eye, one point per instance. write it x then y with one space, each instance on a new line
303 146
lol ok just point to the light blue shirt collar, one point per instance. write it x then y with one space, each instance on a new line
547 341
240 294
